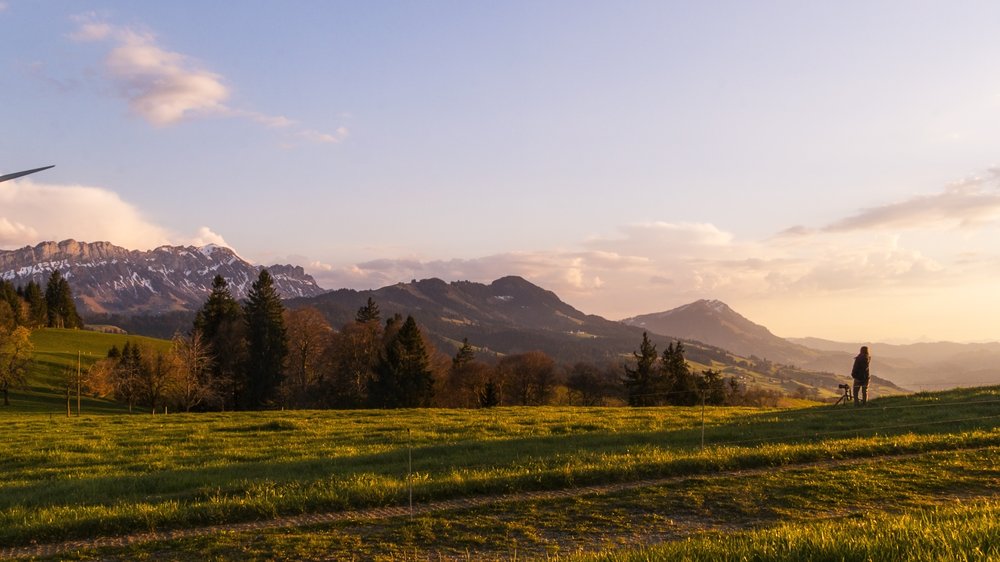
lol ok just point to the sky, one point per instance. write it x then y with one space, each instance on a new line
828 169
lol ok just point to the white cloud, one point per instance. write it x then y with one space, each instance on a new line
161 86
31 212
206 236
34 212
165 87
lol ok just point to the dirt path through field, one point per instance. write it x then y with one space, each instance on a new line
377 513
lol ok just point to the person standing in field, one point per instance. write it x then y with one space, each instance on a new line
861 375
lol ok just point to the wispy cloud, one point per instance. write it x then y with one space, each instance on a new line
968 203
165 87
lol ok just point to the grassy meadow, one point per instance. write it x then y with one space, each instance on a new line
56 352
99 475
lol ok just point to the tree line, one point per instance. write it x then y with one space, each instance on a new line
22 309
259 355
656 380
32 307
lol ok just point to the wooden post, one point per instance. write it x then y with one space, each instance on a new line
78 383
703 419
409 467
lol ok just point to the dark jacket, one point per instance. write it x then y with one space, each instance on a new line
860 372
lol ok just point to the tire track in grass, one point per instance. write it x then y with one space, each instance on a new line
387 512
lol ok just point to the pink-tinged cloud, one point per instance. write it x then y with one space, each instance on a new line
165 87
32 212
968 203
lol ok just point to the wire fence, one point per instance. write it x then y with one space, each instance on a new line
864 415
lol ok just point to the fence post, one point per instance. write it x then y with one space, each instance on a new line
409 467
703 419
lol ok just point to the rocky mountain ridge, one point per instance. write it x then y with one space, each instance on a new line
109 279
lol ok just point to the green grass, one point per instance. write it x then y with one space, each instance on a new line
96 475
706 509
55 355
959 532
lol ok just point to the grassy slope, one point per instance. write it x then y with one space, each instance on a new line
55 359
112 474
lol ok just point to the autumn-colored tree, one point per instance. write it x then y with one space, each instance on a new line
156 378
309 340
466 379
193 385
528 379
593 385
15 357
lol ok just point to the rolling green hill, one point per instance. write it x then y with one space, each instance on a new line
55 362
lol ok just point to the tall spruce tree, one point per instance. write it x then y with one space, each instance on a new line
8 294
644 382
368 313
403 376
59 303
464 356
267 343
681 383
38 313
220 323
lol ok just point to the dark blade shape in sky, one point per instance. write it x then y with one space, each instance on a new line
16 175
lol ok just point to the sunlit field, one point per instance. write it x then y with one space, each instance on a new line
115 474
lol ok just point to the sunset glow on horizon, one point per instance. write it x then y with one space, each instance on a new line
827 169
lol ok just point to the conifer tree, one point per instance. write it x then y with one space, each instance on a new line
59 303
220 325
490 395
368 313
403 376
643 383
267 343
464 356
8 294
38 313
681 384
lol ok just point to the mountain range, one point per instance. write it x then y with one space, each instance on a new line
511 315
156 292
930 366
108 279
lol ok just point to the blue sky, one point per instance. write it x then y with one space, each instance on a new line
826 168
